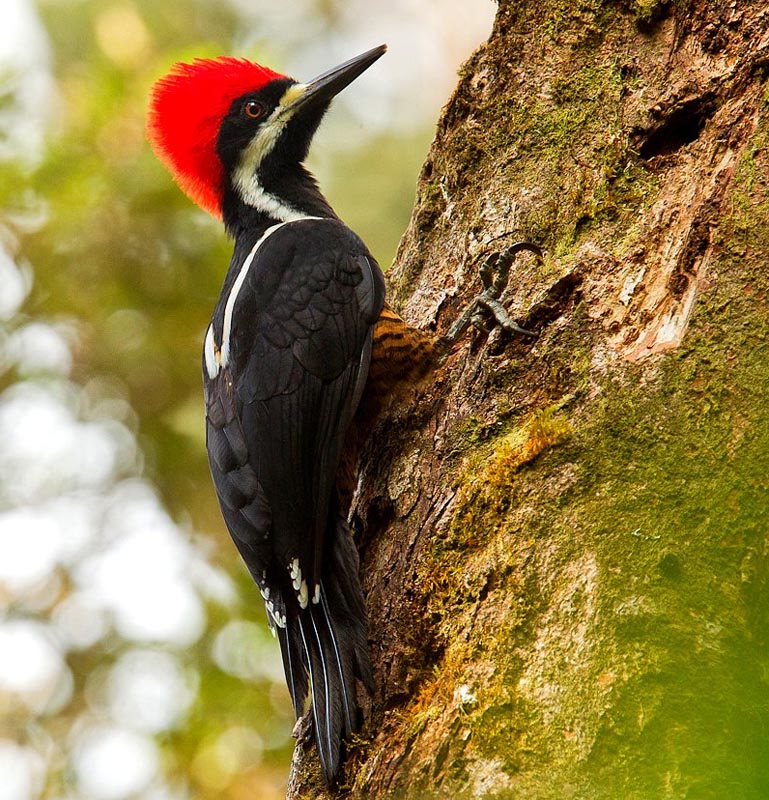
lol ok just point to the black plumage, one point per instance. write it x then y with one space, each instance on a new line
284 372
285 361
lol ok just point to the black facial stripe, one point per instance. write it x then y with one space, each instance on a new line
237 128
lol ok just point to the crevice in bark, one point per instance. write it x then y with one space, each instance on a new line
679 127
556 302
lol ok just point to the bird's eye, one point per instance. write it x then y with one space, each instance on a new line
254 109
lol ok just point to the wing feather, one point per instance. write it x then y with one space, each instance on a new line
303 319
277 415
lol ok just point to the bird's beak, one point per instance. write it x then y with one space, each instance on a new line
326 86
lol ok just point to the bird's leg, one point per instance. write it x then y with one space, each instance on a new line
403 356
488 301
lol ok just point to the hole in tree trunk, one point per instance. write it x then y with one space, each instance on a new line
681 127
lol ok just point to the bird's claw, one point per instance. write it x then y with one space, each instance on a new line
494 272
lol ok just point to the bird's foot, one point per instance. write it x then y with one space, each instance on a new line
488 301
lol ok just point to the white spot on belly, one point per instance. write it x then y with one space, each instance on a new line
211 353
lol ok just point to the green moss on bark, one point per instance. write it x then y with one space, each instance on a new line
612 640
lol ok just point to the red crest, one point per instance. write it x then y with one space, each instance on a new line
186 109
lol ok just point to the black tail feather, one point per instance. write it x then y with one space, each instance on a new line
344 596
344 664
321 690
328 642
294 664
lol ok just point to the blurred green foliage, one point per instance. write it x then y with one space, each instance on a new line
121 255
126 253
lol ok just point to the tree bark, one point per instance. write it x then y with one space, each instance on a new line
564 541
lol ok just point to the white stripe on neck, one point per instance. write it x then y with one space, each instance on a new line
253 194
223 356
211 353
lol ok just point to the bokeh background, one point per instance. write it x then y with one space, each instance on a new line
134 657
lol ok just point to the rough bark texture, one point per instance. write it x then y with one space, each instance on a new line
564 542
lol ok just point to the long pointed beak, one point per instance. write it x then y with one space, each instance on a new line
323 88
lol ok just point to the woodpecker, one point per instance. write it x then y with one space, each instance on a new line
285 360
299 336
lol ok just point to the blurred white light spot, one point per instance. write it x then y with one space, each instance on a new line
46 449
168 612
39 347
142 575
24 46
78 518
30 660
149 691
22 771
245 650
78 622
41 597
33 540
214 583
28 550
111 763
16 285
32 666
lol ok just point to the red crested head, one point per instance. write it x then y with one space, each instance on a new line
186 110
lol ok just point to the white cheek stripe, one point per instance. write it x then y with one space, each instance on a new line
253 194
246 179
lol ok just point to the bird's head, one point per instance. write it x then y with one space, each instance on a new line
230 126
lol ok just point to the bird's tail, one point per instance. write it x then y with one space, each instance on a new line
327 643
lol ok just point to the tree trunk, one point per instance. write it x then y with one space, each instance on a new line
564 540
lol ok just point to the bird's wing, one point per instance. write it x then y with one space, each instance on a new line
278 411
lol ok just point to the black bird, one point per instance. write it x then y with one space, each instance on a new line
299 336
286 359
